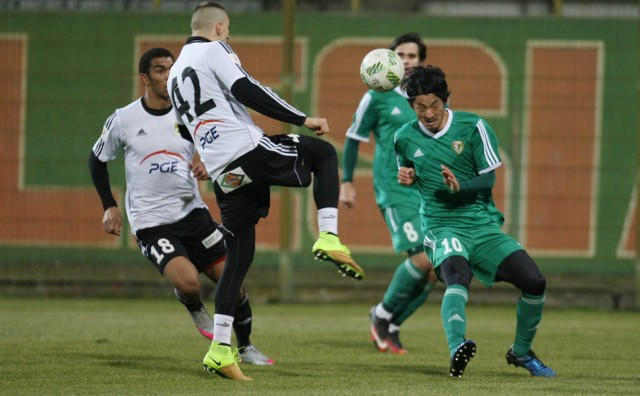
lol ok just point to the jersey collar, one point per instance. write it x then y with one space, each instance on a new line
155 112
440 132
197 39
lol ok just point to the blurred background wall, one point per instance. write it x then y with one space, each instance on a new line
557 80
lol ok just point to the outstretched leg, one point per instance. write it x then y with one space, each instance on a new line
520 270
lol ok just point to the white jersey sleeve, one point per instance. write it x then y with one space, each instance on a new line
107 146
160 187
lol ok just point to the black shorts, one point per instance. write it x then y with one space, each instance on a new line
196 237
243 189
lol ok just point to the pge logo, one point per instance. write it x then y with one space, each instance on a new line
209 137
164 167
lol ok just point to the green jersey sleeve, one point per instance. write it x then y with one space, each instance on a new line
364 119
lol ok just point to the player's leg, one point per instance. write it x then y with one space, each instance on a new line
386 317
520 270
412 281
164 248
417 295
455 272
240 209
296 161
183 276
242 324
221 359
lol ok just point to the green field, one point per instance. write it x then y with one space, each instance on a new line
142 346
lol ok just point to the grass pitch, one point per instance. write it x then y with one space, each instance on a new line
149 347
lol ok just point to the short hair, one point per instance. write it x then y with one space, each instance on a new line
144 65
425 80
202 15
412 37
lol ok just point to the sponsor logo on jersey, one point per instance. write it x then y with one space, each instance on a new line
164 167
396 111
141 132
457 146
212 239
418 153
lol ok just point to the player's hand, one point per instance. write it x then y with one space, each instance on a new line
112 221
319 126
199 170
406 176
347 195
449 179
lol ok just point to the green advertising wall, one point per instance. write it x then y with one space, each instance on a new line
561 94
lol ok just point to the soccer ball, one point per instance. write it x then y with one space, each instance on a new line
382 69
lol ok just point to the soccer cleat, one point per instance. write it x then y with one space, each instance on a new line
252 355
531 363
329 248
395 346
222 361
379 331
201 318
461 358
203 322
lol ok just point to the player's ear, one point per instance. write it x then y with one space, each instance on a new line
144 78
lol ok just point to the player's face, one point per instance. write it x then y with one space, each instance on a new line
409 54
431 112
158 76
223 29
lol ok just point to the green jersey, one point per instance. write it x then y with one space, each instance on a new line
468 147
382 113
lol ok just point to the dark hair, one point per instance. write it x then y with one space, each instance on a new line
427 80
144 66
412 37
207 4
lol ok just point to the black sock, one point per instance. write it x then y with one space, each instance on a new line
242 323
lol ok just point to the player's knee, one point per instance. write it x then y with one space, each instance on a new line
321 150
189 288
535 286
421 262
455 270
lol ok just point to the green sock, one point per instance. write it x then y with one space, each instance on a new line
417 298
454 318
529 314
406 279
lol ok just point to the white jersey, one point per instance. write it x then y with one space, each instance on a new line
160 186
200 84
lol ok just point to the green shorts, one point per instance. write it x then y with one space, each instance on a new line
403 221
484 247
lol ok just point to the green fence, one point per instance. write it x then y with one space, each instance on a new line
560 93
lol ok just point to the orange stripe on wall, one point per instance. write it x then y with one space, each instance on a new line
562 135
36 215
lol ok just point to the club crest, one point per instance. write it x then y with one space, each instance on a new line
458 146
232 180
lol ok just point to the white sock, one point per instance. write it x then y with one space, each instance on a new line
328 220
383 313
222 328
393 328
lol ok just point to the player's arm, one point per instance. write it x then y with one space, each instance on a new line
264 101
482 182
349 161
364 121
198 169
112 218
